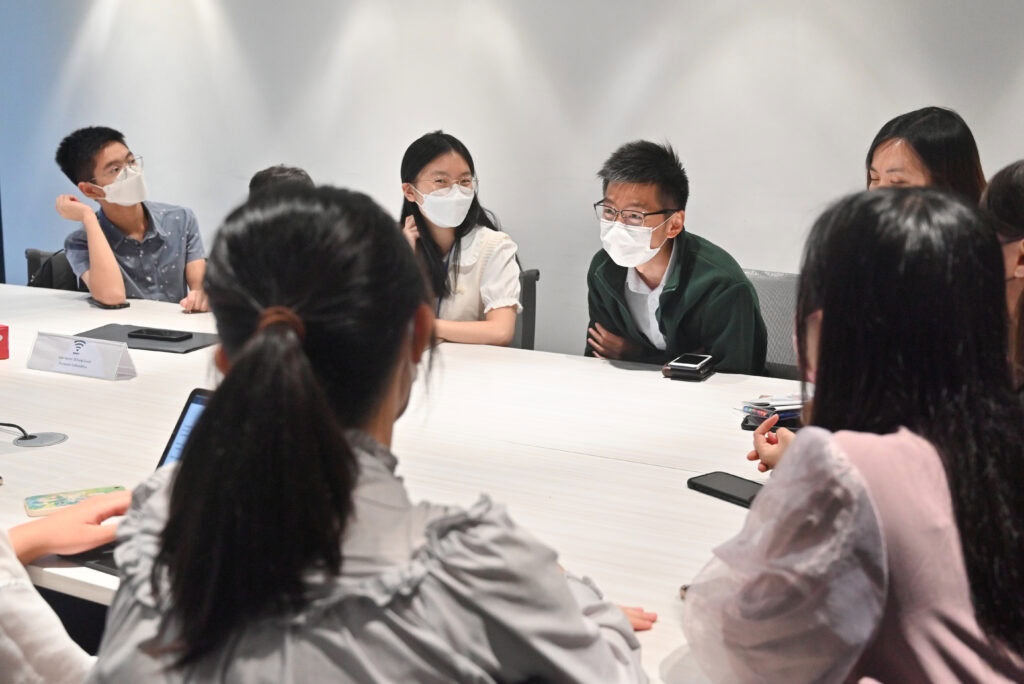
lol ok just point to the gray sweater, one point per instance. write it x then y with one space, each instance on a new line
428 593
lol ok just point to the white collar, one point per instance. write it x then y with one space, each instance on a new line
636 284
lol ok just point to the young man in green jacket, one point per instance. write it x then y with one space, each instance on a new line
655 290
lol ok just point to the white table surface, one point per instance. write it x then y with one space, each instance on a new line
591 456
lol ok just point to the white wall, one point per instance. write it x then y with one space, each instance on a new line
771 105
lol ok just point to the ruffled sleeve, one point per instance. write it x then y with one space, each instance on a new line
499 282
799 592
539 622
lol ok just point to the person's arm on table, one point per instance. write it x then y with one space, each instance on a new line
605 344
499 328
196 300
103 277
499 292
798 594
602 342
70 530
33 643
195 267
542 622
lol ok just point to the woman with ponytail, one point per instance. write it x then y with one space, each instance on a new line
887 544
283 547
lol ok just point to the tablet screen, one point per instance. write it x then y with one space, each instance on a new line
192 413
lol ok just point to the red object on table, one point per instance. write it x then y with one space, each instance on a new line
5 350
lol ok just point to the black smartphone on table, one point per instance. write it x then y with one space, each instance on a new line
689 366
751 423
160 334
101 305
690 362
735 490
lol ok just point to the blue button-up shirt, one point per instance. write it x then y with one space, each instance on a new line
155 267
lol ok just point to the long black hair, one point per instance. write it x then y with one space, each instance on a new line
913 333
421 152
944 143
1003 199
263 490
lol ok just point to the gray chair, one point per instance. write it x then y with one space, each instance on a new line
526 321
50 269
776 293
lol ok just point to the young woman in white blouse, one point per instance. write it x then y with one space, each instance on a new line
471 264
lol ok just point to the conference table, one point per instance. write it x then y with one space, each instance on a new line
591 456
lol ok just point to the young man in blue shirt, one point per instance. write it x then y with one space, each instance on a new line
130 248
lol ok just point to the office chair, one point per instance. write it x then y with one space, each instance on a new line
776 293
527 320
50 269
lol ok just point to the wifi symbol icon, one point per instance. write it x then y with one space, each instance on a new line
78 345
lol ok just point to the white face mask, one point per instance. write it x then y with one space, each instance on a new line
128 189
626 245
447 207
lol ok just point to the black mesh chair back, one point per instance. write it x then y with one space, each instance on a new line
526 321
777 294
50 269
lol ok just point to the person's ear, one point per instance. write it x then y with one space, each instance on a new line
812 339
220 360
1018 269
409 192
675 224
422 331
90 191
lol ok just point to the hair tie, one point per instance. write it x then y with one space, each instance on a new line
273 315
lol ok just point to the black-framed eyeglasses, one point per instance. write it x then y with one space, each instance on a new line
629 216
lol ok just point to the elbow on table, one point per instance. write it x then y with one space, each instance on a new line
108 297
503 338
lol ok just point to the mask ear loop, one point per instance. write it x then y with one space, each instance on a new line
101 189
667 238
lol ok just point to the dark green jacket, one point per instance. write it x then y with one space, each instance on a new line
708 306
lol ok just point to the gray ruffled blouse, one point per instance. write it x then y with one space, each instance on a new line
427 593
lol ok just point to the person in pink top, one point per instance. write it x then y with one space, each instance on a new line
888 543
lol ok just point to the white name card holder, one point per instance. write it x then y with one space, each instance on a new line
82 356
